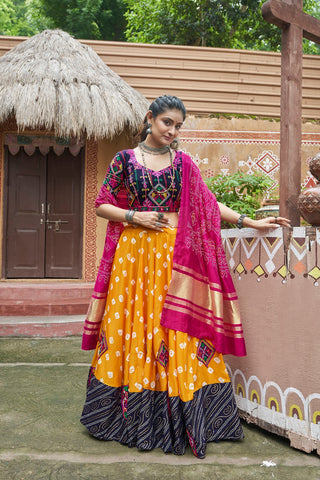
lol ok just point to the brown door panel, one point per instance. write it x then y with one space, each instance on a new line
25 220
63 255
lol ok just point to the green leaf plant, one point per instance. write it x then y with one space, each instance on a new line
240 191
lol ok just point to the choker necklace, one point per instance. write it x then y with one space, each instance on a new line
158 188
154 151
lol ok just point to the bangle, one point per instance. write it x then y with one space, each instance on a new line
240 220
129 215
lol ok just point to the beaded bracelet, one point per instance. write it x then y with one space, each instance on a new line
240 220
129 215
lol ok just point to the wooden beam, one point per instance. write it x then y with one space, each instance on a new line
291 122
288 14
282 14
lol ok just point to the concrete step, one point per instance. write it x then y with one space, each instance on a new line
40 308
41 326
44 290
43 299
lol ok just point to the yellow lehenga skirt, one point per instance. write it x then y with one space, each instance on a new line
150 386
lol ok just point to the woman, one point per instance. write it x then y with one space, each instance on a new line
169 307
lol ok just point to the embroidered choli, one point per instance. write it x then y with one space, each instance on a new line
126 175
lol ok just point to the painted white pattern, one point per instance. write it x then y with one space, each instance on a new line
249 163
232 248
270 266
293 254
281 419
197 160
249 249
309 179
267 162
252 137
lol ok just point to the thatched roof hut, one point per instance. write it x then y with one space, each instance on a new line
52 81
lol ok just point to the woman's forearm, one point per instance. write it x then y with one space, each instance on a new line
111 212
230 216
149 219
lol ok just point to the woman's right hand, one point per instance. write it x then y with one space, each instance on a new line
153 220
148 219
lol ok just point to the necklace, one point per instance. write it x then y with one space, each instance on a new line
154 151
158 188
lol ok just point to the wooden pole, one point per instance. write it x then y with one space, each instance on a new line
295 24
291 118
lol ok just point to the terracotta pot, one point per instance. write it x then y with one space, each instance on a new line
314 166
309 204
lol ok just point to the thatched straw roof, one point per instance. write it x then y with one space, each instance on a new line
53 81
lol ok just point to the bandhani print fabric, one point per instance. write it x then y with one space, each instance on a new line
154 387
201 299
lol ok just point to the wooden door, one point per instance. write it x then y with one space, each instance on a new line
25 222
44 220
63 218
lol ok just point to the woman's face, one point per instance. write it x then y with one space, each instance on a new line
165 127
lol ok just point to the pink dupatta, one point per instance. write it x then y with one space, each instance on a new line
98 299
201 298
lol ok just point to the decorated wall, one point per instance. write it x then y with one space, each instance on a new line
96 232
277 278
222 146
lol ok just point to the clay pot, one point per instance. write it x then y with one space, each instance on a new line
314 166
309 205
309 199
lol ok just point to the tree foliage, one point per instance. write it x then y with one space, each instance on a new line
214 23
90 19
87 19
6 16
15 18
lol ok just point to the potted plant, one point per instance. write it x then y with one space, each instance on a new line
240 191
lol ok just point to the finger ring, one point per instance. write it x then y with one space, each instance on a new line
275 219
158 224
160 215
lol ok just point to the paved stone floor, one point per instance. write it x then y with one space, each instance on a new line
42 392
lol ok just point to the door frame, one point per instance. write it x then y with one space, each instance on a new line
5 214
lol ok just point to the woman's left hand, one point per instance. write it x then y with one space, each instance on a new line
271 222
231 216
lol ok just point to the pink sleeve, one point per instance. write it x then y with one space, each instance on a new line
112 183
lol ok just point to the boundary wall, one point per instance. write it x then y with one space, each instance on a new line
208 80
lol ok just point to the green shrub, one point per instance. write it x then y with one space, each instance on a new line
240 191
